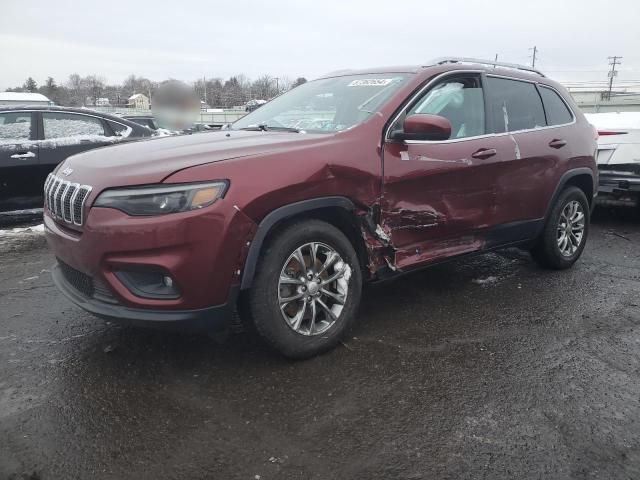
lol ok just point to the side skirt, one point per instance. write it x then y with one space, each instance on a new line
514 234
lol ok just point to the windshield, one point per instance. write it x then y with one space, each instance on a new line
325 105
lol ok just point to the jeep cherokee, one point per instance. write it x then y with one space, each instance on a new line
356 177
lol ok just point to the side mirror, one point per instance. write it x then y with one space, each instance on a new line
422 126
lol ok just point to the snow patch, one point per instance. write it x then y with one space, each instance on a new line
614 120
17 144
11 97
12 232
486 281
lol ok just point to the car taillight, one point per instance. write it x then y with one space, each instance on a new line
603 133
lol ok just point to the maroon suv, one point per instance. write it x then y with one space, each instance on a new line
357 176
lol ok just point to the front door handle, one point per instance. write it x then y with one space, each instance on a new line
23 155
557 143
484 153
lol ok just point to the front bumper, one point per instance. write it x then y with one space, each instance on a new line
219 317
201 251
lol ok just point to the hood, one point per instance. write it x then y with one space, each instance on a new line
151 161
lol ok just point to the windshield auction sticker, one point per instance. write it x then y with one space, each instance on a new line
371 82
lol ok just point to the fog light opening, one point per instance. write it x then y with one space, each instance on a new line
149 283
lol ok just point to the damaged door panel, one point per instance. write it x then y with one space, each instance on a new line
440 200
440 196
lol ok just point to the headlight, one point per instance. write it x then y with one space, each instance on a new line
161 199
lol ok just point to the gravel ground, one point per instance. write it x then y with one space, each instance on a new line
485 368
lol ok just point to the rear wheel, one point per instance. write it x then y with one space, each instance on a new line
565 233
307 289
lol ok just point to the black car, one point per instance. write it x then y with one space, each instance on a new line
151 122
146 120
33 140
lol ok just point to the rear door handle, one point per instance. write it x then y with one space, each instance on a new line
484 153
557 143
23 155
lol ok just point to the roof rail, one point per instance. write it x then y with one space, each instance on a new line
516 66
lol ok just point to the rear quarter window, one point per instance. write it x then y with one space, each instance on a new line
514 105
557 111
119 130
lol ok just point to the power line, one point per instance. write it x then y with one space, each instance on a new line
612 73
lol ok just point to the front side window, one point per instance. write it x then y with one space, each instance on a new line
61 125
514 105
325 105
557 111
460 100
15 127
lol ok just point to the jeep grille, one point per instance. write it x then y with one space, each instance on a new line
65 200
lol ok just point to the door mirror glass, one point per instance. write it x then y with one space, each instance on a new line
426 127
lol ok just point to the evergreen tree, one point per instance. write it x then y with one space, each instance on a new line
30 85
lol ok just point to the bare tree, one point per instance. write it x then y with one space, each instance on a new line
94 86
235 91
76 90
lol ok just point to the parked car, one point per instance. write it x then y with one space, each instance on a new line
34 140
618 157
413 166
145 120
150 122
252 105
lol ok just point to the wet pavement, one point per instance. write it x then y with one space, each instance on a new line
483 368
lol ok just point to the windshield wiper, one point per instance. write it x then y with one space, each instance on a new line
263 127
285 129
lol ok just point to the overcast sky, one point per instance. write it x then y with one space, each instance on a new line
191 39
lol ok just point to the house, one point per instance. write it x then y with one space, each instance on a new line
102 102
138 101
23 98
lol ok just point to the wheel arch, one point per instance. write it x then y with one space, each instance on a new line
336 210
583 178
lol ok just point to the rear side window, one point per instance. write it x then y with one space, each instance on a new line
514 105
557 111
460 101
119 129
60 125
15 127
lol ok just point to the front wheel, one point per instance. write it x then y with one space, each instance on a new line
565 233
307 289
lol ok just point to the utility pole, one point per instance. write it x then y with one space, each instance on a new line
204 85
533 56
277 85
613 61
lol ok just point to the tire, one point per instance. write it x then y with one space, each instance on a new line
548 252
288 332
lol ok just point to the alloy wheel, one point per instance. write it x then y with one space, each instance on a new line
313 288
570 228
